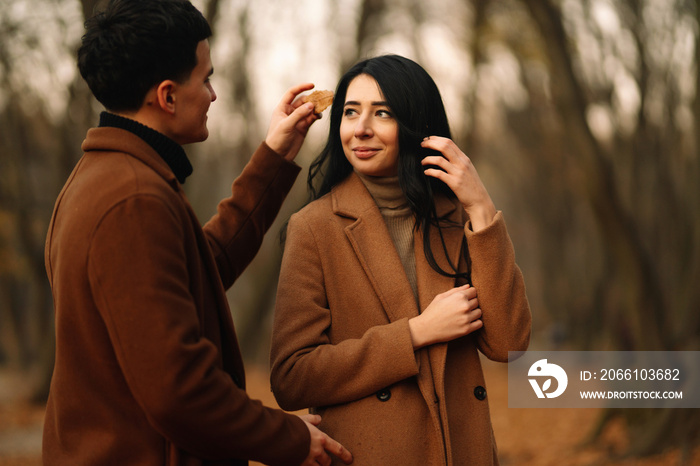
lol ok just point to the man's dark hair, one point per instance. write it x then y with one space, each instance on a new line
133 45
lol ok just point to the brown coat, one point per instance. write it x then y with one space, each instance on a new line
148 369
341 341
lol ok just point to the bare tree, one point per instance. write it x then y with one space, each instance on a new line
643 205
39 150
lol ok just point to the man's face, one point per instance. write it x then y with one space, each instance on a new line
193 98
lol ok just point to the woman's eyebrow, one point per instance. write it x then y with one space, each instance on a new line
379 103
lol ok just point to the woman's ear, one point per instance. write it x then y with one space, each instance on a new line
165 95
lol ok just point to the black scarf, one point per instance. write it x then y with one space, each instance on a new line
170 151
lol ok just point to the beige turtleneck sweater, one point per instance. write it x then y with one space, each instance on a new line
399 219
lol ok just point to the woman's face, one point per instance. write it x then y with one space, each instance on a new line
368 131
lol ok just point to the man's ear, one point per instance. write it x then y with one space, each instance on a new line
165 95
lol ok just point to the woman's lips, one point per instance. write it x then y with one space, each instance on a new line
364 152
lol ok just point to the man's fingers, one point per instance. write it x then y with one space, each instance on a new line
322 444
305 122
293 91
338 450
313 419
300 113
323 459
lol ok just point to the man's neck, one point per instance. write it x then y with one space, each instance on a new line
170 151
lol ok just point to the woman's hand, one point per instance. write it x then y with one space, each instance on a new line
458 172
290 122
450 315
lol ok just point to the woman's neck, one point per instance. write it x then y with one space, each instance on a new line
387 193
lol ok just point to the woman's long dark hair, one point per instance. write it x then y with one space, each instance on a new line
415 103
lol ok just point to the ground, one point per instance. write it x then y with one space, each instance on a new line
525 437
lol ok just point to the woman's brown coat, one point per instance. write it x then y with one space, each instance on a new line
341 342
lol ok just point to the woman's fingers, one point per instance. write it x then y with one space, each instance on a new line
437 161
475 324
457 171
445 146
452 167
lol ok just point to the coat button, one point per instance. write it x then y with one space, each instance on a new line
384 395
480 393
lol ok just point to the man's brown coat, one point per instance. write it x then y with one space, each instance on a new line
148 369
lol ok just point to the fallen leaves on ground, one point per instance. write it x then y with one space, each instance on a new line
525 437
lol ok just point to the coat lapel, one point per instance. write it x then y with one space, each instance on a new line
374 248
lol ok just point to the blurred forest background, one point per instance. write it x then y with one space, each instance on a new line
582 117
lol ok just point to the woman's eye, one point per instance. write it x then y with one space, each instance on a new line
384 113
349 111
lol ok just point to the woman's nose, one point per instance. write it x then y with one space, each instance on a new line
363 129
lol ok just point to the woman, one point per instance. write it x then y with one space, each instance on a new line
377 322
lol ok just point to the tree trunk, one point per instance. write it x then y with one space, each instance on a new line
642 306
642 315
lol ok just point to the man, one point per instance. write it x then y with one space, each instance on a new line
148 369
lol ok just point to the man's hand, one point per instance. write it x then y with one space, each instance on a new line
322 445
289 123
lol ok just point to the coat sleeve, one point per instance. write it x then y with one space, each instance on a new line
308 370
236 231
139 279
500 290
